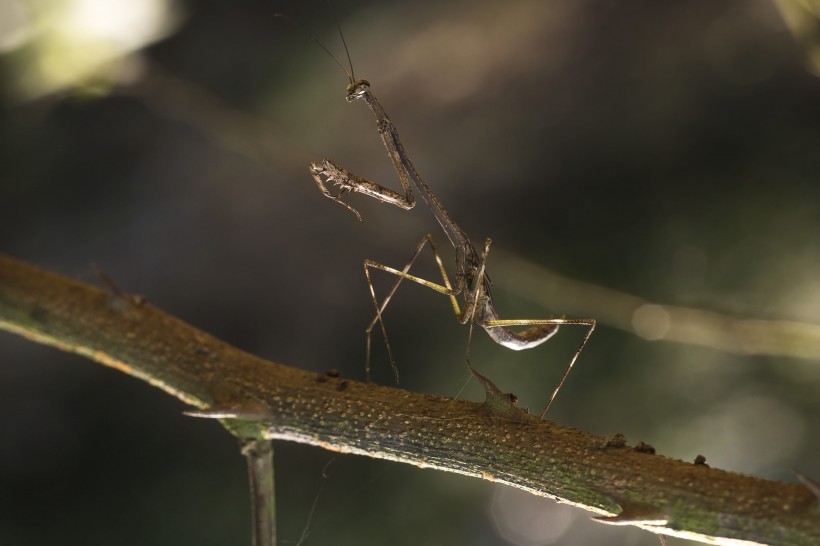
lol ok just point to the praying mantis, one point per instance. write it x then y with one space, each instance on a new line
472 282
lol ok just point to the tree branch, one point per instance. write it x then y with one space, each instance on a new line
256 398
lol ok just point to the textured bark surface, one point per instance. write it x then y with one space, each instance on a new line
493 440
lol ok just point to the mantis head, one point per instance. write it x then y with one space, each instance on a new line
357 89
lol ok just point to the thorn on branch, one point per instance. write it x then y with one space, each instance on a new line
500 404
636 513
120 301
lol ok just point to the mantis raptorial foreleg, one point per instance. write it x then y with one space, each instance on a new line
348 183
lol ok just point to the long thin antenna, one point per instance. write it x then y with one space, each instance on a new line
320 44
347 51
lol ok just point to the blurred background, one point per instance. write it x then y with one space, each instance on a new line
650 165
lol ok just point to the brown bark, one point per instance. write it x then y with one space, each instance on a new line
493 440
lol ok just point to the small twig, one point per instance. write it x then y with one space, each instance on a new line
263 494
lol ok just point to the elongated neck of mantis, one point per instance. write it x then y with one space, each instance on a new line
390 137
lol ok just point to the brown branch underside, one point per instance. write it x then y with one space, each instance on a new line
278 402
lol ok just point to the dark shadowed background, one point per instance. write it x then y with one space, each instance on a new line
667 150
